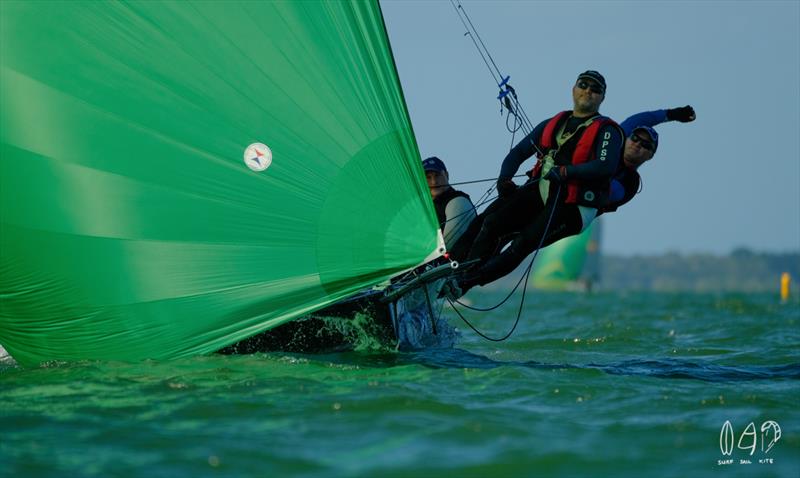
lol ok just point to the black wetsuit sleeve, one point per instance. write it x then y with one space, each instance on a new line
608 154
522 151
630 192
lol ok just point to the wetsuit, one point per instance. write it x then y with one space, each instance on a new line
624 187
627 181
526 213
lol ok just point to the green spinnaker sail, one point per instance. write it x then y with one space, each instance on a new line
562 263
130 226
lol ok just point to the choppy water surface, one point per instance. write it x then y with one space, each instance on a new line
589 385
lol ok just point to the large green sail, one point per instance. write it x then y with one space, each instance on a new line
130 225
560 265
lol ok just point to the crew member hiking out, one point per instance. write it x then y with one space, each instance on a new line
640 147
580 153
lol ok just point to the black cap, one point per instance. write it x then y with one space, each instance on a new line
596 76
434 164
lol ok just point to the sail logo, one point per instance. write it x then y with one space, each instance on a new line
748 440
258 157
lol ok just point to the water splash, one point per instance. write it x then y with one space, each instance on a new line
359 333
6 360
419 325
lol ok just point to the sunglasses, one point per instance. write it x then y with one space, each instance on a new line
591 86
648 145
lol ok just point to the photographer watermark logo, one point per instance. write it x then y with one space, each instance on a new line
749 439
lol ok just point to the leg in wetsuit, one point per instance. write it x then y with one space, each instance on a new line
526 214
460 250
509 217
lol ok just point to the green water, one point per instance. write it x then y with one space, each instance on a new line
589 385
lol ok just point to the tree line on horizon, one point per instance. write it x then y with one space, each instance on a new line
742 270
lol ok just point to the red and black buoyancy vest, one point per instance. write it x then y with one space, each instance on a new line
580 148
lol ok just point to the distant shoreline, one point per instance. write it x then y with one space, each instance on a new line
742 270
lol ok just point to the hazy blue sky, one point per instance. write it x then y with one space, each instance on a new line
731 178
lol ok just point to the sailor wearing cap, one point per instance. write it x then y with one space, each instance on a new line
582 160
454 209
640 146
579 151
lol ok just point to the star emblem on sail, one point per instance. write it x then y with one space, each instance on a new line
258 157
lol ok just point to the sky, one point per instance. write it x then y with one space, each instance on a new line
730 179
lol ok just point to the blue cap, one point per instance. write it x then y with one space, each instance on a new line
651 132
434 164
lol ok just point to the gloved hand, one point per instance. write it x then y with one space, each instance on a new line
506 187
557 174
684 114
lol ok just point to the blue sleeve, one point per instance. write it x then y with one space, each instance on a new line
522 151
617 191
645 118
608 154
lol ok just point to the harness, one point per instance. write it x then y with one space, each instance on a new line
575 148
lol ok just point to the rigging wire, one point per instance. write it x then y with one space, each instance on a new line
507 96
509 100
486 198
526 275
497 75
475 181
462 14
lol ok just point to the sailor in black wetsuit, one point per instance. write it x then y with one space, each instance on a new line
579 152
640 147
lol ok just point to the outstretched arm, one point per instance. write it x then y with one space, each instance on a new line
683 114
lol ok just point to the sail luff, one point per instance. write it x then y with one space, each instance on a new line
130 226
